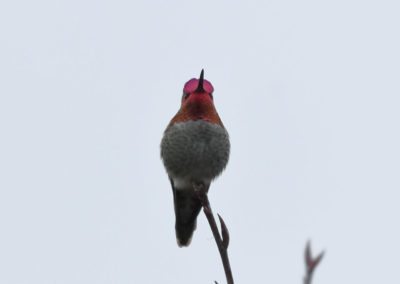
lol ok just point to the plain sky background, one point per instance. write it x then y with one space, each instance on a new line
308 90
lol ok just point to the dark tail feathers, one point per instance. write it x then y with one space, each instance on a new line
184 233
187 208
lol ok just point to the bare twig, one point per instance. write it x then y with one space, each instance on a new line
311 263
223 242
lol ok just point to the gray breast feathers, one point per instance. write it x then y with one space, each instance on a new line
195 149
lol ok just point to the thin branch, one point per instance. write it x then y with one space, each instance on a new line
222 243
311 263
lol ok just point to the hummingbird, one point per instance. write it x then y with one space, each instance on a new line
195 150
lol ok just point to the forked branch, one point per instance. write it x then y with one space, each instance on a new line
311 263
222 242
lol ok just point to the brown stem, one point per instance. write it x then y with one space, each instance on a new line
222 243
311 263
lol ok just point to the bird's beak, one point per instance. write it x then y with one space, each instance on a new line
200 88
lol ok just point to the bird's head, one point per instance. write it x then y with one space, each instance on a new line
197 92
197 102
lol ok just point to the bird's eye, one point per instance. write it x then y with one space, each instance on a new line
185 96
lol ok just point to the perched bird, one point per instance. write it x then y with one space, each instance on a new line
195 149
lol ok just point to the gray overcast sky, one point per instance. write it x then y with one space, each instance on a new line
308 90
